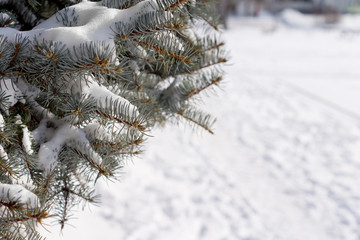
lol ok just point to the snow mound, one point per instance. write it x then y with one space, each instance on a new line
350 23
295 19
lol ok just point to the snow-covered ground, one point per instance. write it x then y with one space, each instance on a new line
284 163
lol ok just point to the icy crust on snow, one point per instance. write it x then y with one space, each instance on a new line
14 192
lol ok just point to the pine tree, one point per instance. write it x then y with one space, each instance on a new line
81 86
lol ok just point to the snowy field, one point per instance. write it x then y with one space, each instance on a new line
284 163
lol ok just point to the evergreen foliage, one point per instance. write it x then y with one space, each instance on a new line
78 96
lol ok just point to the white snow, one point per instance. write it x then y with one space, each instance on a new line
350 23
293 18
2 122
14 192
94 23
3 154
30 93
96 130
12 93
104 96
284 163
42 133
26 140
65 134
290 18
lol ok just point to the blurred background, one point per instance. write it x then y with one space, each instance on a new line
284 162
327 12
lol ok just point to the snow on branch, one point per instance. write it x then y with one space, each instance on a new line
102 95
93 23
14 193
3 154
26 139
65 134
2 123
80 91
12 94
